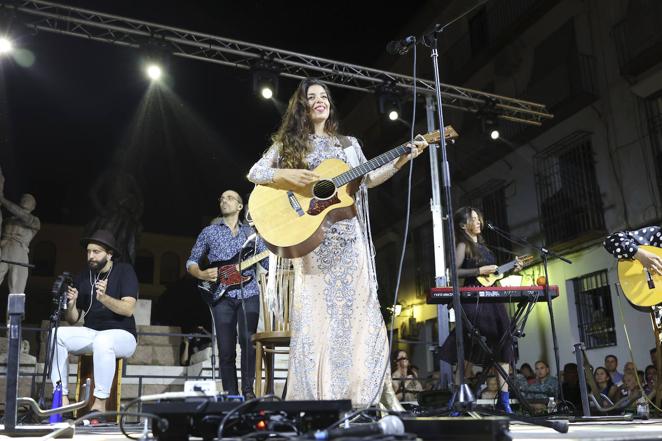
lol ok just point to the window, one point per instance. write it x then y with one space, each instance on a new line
594 311
569 199
169 267
43 257
145 266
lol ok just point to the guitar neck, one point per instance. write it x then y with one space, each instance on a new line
371 165
253 260
506 267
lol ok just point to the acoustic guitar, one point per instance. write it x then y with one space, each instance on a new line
501 271
292 224
640 286
229 276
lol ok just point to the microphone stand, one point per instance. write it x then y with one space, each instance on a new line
544 254
463 398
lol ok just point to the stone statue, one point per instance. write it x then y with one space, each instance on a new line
118 201
17 232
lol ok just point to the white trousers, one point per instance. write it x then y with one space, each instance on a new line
105 347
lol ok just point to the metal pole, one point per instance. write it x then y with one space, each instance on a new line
463 397
15 310
445 369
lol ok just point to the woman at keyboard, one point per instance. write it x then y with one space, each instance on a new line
474 259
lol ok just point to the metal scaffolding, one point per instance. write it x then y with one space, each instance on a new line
62 19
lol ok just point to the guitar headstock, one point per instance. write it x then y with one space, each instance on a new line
434 137
525 260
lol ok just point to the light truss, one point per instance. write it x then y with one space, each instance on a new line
62 19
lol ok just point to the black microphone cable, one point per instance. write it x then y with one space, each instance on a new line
375 399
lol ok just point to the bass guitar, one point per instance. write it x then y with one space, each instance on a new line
640 286
292 224
501 271
229 277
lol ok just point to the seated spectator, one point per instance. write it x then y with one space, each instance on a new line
650 378
545 385
630 387
629 367
611 364
405 383
606 385
491 391
528 373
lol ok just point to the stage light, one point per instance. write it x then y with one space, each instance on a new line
6 45
154 71
267 93
494 134
388 101
265 79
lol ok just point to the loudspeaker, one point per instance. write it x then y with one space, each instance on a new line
458 428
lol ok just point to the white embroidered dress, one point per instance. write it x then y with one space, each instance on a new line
339 347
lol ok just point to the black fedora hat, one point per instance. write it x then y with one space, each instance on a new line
102 237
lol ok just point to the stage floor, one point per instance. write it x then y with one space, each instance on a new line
593 431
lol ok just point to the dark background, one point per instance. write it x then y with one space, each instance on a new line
84 107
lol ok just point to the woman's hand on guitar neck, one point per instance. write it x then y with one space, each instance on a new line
417 148
649 260
487 269
294 179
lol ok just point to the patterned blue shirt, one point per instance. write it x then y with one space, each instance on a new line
218 244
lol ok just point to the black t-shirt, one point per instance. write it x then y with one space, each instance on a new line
122 282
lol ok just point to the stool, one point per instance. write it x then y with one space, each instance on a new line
265 350
86 370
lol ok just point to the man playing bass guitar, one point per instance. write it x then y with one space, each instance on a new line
223 241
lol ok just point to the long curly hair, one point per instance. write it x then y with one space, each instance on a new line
292 137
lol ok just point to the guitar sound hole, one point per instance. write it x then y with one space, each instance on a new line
324 189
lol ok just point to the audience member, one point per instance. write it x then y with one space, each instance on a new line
606 385
528 373
545 385
405 382
491 391
611 364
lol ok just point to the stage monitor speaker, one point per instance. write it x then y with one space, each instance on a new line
202 418
458 428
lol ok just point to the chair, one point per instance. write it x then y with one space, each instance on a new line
276 334
86 370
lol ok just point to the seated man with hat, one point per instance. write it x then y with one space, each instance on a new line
104 295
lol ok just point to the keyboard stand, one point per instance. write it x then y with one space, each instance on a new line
475 335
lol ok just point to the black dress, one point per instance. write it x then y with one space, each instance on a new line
491 320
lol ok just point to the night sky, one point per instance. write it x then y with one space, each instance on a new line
84 111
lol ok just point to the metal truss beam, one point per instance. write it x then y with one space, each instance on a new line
62 19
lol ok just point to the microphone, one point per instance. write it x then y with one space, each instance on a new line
400 47
249 239
389 425
490 226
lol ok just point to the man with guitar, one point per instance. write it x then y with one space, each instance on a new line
222 244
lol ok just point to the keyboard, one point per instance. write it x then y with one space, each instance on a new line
493 294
